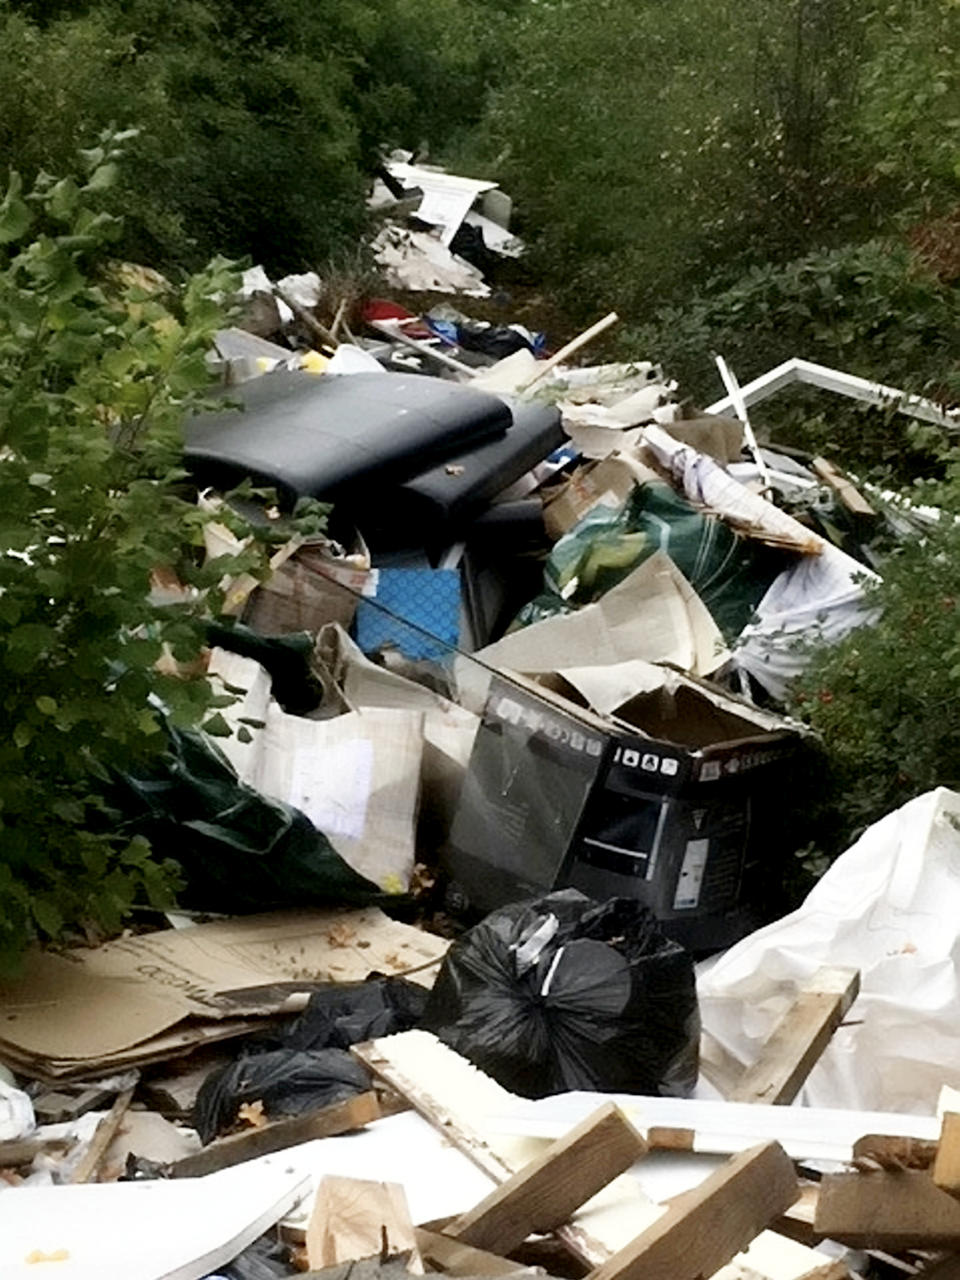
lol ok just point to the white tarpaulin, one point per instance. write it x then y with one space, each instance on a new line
889 906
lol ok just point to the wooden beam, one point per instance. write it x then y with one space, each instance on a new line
902 1210
103 1135
440 1253
548 1190
353 1218
799 1038
946 1166
845 489
711 1224
884 1151
327 1122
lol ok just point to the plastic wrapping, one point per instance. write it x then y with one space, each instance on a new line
287 1081
338 1016
729 573
564 993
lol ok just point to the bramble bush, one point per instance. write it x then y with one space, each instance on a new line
886 700
95 378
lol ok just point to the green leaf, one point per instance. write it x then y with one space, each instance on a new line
217 727
46 705
47 916
15 217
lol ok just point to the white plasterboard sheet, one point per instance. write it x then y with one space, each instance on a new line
438 1180
720 1127
179 1229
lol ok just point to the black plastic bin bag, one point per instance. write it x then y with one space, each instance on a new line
565 993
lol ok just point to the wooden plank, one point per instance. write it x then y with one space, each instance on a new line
713 1223
445 1121
104 1134
440 1253
885 1151
570 349
353 1219
845 489
799 1038
544 1194
327 1122
20 1151
946 1166
903 1210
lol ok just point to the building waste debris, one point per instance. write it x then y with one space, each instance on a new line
502 762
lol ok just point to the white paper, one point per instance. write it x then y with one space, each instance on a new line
332 786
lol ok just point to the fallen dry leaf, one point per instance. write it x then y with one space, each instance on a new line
251 1113
340 935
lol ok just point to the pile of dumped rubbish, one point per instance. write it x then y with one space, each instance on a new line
506 757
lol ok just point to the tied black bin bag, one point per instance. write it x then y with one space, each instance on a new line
565 993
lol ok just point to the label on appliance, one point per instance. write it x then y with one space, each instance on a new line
690 880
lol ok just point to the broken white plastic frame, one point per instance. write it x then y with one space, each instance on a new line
841 384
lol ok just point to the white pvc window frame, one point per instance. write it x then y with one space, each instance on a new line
841 384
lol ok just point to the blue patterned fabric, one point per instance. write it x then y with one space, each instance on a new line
430 598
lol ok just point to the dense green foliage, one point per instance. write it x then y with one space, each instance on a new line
95 376
886 700
258 123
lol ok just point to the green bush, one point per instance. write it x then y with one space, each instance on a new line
873 310
95 377
257 125
886 700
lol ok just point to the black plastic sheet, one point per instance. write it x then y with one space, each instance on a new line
564 993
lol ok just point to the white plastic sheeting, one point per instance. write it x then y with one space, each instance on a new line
889 906
16 1113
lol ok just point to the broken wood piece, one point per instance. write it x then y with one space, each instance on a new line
20 1151
441 1253
662 1138
903 1210
338 318
570 349
845 489
889 1152
713 1223
327 1122
103 1135
946 1167
375 1055
545 1192
799 1038
306 317
354 1219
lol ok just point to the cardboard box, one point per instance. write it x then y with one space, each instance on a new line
610 480
669 799
312 587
